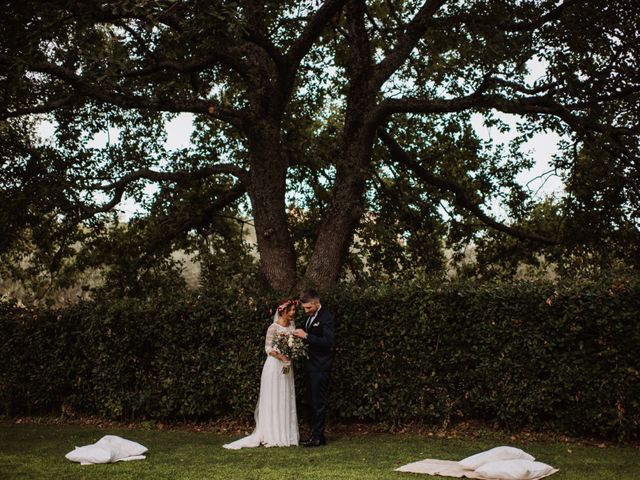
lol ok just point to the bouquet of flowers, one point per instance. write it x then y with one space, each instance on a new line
292 347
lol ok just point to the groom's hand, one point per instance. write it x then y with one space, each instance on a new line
298 332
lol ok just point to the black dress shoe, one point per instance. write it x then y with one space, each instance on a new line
314 442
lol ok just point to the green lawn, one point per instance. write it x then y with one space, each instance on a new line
36 451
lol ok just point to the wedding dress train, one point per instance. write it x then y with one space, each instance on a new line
275 414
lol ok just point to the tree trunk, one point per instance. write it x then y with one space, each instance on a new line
336 231
347 203
267 194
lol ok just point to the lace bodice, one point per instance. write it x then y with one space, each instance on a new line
271 332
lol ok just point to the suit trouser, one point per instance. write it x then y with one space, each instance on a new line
318 389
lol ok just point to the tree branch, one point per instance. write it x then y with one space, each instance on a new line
44 108
509 26
179 177
551 15
360 63
169 230
226 58
316 23
618 95
408 41
287 64
86 89
522 105
546 88
268 46
462 198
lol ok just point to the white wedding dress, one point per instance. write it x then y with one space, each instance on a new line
276 417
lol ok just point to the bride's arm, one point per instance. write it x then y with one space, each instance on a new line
268 344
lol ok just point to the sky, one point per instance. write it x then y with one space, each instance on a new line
542 147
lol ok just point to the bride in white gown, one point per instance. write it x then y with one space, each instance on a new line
275 414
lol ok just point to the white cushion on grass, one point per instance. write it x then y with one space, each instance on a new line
515 470
120 447
109 448
494 455
128 459
89 454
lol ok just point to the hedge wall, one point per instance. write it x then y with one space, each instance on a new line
530 355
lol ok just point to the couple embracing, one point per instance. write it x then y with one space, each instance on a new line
275 415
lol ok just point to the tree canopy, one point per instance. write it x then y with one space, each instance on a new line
319 119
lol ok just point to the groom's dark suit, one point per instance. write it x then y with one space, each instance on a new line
320 333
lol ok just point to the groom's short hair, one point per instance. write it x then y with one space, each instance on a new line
309 295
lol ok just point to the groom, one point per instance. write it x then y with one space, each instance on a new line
318 332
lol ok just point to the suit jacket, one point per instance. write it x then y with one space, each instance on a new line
320 335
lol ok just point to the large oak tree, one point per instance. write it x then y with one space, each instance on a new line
322 109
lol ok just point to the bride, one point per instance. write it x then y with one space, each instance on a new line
275 414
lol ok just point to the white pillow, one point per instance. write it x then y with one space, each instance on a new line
89 454
515 470
494 455
120 448
128 459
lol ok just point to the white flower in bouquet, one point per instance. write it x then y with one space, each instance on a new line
292 347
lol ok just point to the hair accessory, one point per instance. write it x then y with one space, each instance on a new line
285 304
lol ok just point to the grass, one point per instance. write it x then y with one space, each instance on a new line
36 451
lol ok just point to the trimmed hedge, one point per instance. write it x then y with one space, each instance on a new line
532 355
